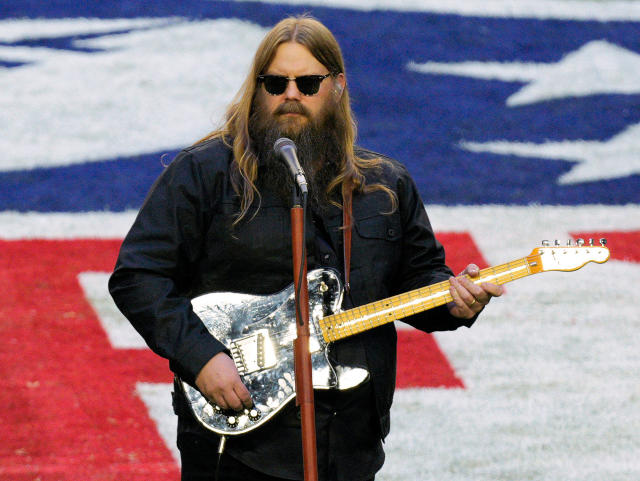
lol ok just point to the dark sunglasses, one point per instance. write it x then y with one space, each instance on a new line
277 84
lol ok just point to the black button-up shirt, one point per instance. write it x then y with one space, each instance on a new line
183 243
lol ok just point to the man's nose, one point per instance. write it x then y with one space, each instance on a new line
292 92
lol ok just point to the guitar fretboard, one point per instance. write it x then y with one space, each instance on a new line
369 316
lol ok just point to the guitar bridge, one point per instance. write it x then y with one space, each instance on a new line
253 353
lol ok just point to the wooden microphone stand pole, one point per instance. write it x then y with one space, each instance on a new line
302 356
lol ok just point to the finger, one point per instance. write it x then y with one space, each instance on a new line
472 270
474 297
493 290
232 400
219 400
462 299
243 394
473 292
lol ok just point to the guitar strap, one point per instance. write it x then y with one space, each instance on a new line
347 226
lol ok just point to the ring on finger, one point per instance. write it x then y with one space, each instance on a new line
474 301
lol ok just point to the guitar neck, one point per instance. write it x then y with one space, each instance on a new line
368 316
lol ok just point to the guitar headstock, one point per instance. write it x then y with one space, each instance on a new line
569 257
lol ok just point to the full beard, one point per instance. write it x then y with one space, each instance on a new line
319 148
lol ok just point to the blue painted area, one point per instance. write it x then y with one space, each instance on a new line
10 64
112 185
419 119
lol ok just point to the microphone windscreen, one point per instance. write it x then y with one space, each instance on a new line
283 142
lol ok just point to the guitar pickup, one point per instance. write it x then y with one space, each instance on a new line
253 353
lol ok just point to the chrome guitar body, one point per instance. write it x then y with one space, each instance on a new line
259 332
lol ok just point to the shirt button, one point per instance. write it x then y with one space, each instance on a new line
326 257
391 232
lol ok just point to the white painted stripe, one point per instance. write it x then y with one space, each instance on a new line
119 330
542 9
495 227
615 158
90 225
16 29
157 398
597 67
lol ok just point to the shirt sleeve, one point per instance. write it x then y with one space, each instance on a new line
423 259
151 280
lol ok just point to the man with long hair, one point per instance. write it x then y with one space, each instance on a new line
217 219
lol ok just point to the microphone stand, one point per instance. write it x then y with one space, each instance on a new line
302 356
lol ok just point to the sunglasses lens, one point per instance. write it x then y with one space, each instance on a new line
275 84
309 84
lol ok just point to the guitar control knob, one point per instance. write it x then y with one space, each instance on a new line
254 414
232 421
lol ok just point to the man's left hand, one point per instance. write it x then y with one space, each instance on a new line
470 298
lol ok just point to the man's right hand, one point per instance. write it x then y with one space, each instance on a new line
220 383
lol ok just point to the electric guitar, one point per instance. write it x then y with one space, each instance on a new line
259 330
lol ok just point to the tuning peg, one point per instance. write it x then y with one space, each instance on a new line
557 243
603 242
580 242
590 242
569 243
545 243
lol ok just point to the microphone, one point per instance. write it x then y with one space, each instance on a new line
286 149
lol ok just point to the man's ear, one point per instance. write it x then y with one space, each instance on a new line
339 84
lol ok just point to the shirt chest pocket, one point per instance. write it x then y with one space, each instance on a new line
376 242
375 254
379 227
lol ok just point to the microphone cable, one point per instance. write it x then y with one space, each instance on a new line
303 256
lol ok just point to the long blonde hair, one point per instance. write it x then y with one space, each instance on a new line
324 47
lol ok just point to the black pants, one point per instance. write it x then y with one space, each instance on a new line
199 461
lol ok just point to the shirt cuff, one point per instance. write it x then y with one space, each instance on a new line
196 355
